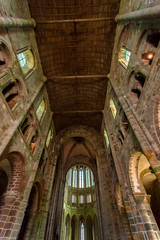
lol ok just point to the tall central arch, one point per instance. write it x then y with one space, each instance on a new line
80 145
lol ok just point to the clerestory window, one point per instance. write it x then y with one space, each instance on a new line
40 110
26 60
124 57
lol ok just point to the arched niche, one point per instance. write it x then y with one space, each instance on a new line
74 228
147 47
67 227
89 228
5 57
144 181
13 93
95 224
27 227
5 174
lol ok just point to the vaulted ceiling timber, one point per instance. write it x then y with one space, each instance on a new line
75 41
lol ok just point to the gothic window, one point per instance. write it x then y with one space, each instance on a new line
81 178
106 138
82 231
49 137
113 108
88 182
81 199
26 60
92 179
89 200
40 110
124 57
74 199
70 177
75 177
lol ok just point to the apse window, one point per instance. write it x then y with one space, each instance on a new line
124 57
88 179
81 199
74 199
89 199
40 110
82 231
113 108
26 61
70 177
81 178
75 177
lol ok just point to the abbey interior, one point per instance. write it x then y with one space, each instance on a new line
79 119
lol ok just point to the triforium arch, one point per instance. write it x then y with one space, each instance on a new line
91 140
145 189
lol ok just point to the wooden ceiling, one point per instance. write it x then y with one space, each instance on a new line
75 40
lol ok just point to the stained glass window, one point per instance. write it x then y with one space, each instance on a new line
74 198
81 178
92 179
113 108
89 198
106 137
88 182
81 199
26 60
82 231
40 110
75 177
70 177
49 138
124 57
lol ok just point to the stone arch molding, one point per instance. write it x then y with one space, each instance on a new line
134 173
92 135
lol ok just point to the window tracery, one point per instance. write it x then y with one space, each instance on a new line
80 177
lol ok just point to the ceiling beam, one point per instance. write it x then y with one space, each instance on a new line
79 111
78 76
76 20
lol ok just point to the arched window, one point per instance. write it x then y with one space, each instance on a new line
81 178
124 57
92 179
26 60
89 199
75 177
82 231
113 108
88 182
40 110
106 138
70 177
74 198
81 199
49 137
